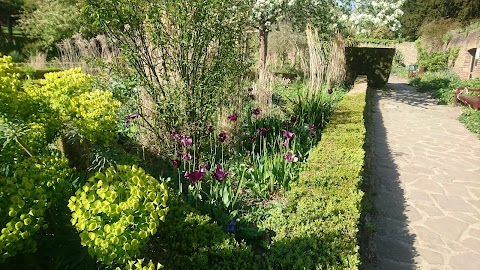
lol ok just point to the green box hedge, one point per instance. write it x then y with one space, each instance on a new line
318 228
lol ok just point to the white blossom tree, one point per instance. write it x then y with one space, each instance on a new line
377 18
322 14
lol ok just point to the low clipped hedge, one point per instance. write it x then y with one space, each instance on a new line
318 228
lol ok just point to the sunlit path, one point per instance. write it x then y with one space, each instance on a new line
426 173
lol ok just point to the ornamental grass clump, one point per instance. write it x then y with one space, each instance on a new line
115 212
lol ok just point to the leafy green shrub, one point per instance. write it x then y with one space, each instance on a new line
189 240
318 227
37 183
471 119
116 211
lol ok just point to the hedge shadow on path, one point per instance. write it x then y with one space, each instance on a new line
386 242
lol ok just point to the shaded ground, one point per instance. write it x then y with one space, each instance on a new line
425 171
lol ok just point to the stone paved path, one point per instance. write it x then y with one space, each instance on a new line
426 174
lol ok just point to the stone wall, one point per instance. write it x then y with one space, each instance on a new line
467 42
406 49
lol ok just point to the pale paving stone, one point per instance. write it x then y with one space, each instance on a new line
447 227
428 183
473 244
465 261
428 186
430 256
453 203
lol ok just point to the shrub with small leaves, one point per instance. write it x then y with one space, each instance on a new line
138 265
116 212
25 197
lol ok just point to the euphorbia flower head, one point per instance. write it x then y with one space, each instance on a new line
222 136
290 157
220 174
195 176
288 134
233 117
256 111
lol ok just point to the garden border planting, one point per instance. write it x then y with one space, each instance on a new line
318 228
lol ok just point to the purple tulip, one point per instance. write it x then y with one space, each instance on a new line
177 162
195 176
256 111
222 136
284 143
288 134
313 133
293 119
131 117
220 174
252 138
330 91
311 127
185 156
261 131
185 140
210 129
233 117
290 157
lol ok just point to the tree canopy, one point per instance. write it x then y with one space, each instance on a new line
420 12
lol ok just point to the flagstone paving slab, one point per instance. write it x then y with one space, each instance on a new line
426 174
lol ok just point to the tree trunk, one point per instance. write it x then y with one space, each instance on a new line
263 55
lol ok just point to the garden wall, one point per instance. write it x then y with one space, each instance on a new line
468 42
318 229
376 63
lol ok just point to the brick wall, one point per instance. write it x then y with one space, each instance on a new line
465 41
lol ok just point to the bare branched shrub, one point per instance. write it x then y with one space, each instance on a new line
337 71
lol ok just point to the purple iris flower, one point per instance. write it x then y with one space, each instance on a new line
330 91
256 111
131 117
233 117
185 140
222 136
288 134
210 129
290 157
220 174
195 176
177 162
231 227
